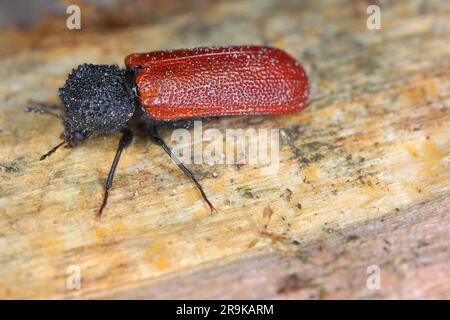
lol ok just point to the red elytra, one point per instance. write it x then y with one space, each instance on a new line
218 81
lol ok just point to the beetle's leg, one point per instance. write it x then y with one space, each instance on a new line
156 138
127 137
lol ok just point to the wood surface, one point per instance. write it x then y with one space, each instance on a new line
364 176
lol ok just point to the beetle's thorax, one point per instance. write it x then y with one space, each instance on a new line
97 101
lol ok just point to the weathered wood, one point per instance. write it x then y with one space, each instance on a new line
410 248
373 146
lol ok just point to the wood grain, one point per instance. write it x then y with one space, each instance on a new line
367 162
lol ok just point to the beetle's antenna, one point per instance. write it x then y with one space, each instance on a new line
41 110
158 140
52 150
127 136
44 105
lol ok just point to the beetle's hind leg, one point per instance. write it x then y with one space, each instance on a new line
156 138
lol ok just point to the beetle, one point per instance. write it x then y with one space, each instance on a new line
164 87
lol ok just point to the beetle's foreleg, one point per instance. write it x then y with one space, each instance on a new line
127 137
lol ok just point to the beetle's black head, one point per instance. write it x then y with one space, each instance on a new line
97 101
